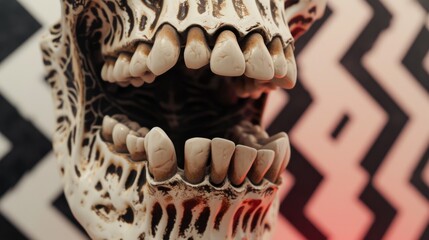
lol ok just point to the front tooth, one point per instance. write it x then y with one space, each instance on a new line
165 51
279 59
120 132
241 163
259 64
227 58
280 148
107 128
197 151
161 154
135 146
121 71
263 162
289 80
222 151
197 52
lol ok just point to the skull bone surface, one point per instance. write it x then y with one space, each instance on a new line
158 107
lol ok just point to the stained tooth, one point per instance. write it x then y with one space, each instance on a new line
259 64
197 151
121 71
143 131
241 163
138 64
107 128
289 80
279 59
263 162
197 52
227 58
280 147
222 151
160 154
165 51
135 146
120 132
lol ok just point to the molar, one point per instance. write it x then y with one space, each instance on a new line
119 135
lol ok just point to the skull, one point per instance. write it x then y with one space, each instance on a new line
158 107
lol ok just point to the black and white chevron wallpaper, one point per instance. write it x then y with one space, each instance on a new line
358 122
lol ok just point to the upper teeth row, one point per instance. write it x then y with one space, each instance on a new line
236 161
256 60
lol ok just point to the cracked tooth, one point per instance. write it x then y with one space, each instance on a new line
289 80
161 154
135 146
279 59
263 162
241 163
227 58
165 51
280 147
120 132
197 52
197 151
259 64
221 154
121 71
107 128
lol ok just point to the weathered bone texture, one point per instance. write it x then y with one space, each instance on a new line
112 194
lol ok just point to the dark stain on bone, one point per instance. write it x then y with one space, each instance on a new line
313 10
106 195
140 183
119 172
156 7
124 5
223 209
128 217
98 186
240 8
156 218
253 205
261 8
201 223
171 220
183 10
274 12
236 220
218 5
130 179
76 169
290 3
202 6
110 170
255 219
143 22
188 205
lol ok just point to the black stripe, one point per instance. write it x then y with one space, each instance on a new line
417 178
344 120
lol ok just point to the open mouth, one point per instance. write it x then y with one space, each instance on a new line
195 108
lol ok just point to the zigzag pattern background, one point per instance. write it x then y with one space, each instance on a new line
358 121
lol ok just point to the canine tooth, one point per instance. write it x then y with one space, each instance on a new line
280 147
222 151
263 162
197 152
121 71
197 52
160 154
241 163
259 64
138 64
107 128
227 58
279 59
120 132
135 146
289 80
165 51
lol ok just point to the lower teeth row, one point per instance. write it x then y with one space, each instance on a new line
259 157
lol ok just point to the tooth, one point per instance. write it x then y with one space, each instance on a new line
289 80
161 154
241 163
135 146
121 71
109 72
104 71
280 147
120 118
259 64
284 163
249 140
263 162
143 131
107 128
227 58
279 59
138 65
197 52
137 82
197 151
120 132
165 51
123 84
222 151
264 141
